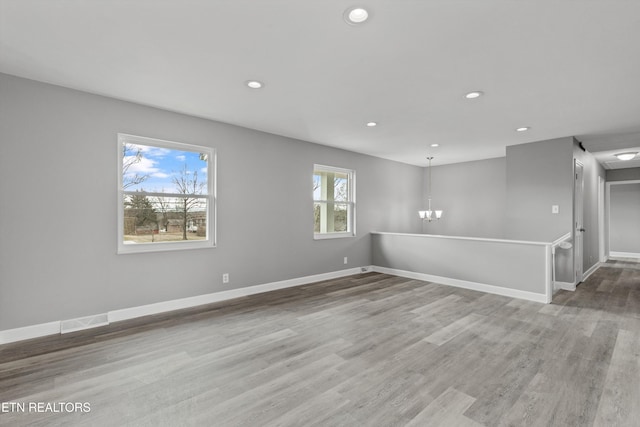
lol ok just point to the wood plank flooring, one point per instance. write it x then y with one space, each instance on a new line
367 350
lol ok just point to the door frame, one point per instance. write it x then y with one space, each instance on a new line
608 210
578 216
602 255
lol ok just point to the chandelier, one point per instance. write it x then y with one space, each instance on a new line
429 214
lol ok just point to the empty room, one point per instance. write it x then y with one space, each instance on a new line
319 213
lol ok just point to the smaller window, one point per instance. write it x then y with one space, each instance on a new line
333 202
166 195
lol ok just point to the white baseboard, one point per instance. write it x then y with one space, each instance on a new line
566 286
51 328
590 271
81 323
161 307
28 332
491 289
624 254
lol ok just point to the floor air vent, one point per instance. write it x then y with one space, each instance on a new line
83 323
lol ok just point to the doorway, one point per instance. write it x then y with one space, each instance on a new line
623 228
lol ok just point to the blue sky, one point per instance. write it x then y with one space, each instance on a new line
160 165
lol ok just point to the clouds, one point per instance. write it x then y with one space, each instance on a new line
161 166
142 166
152 152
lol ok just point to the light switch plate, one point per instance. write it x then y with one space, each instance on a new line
555 209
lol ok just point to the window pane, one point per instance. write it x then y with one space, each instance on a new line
331 217
330 186
163 170
151 219
340 187
317 185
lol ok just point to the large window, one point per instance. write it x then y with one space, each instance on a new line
166 195
333 202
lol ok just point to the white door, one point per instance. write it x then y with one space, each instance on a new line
578 224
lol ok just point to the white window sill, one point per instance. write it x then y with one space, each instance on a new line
323 236
136 248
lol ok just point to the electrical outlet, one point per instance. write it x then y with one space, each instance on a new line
345 260
225 278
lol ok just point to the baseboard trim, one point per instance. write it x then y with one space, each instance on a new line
590 271
29 332
52 328
82 323
566 286
624 254
482 287
161 307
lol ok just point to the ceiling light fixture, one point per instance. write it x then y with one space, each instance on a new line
474 94
523 129
435 145
428 214
626 156
356 15
372 124
254 84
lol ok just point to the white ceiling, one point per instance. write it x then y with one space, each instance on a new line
562 67
609 161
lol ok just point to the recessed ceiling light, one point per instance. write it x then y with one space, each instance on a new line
523 129
435 145
356 15
254 84
474 94
626 156
372 124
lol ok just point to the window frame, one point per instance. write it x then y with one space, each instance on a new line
350 202
211 198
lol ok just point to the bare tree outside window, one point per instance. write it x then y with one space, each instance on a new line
187 183
131 155
163 207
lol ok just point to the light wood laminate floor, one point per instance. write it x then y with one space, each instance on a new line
367 350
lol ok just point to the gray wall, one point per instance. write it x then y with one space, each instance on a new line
511 198
58 160
539 175
515 266
473 197
624 230
629 174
